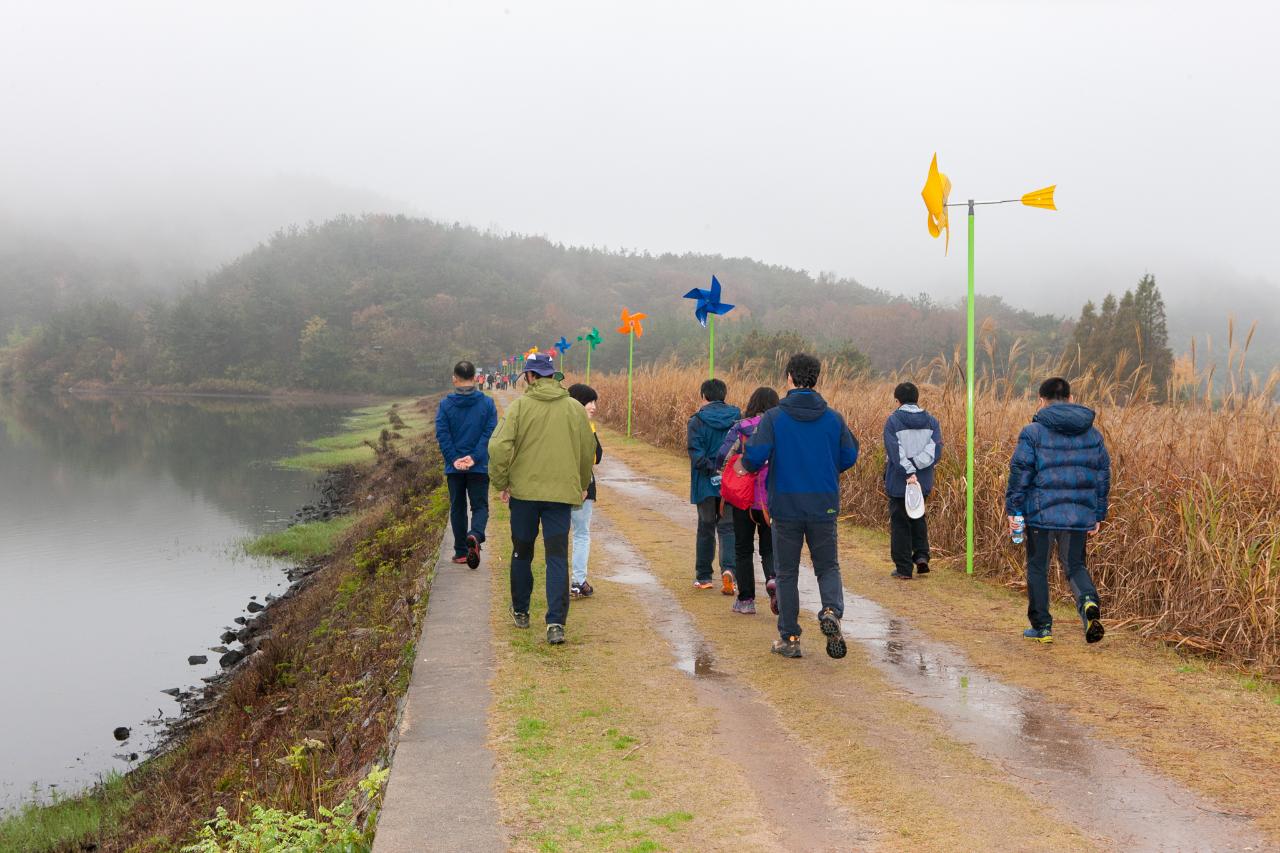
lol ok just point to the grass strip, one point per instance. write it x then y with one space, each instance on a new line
302 541
67 823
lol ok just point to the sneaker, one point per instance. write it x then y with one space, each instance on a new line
700 584
922 567
575 590
555 634
586 590
460 559
899 575
788 647
726 583
521 619
747 607
771 587
473 552
1040 635
830 625
1092 616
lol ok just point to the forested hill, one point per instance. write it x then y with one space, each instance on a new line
389 302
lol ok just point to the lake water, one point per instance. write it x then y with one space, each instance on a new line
121 521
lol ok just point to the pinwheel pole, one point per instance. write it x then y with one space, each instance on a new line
632 328
711 346
937 187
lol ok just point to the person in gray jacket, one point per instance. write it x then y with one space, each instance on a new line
912 445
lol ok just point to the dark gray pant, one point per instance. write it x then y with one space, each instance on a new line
1071 547
712 526
788 536
908 538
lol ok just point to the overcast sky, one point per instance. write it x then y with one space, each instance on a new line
796 133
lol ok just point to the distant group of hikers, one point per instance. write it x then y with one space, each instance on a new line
768 475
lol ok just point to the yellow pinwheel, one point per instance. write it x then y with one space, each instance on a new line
937 188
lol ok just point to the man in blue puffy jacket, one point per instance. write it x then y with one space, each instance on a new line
1059 480
705 433
806 445
464 421
912 445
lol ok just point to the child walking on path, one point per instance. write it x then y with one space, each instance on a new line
464 421
753 520
580 518
912 445
1059 481
705 434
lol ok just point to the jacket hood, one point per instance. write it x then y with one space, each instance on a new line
803 404
1066 418
546 389
465 399
719 415
912 417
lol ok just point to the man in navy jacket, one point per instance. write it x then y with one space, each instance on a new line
1059 480
912 445
705 433
807 446
464 421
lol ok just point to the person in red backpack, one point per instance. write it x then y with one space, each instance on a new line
754 517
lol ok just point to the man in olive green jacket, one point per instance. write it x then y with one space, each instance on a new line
540 459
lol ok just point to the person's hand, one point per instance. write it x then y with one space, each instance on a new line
737 466
913 479
1013 526
460 463
469 461
505 496
584 495
1096 528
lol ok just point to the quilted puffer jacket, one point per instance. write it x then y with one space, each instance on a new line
1060 475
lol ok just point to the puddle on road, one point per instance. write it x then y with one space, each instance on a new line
1102 789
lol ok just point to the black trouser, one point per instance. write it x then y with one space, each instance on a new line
1071 548
711 526
746 523
823 553
525 516
908 538
468 487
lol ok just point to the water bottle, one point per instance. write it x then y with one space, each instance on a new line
1019 527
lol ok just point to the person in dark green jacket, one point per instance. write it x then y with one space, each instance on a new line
540 461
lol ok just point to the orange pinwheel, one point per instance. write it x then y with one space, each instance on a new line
631 323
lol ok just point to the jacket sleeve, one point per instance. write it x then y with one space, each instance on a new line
444 436
726 447
697 456
1104 483
892 451
586 449
1022 470
848 447
481 454
502 447
937 441
760 445
599 449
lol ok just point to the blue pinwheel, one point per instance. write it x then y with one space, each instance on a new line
709 305
562 346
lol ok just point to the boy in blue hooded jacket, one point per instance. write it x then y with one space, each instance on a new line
705 433
912 445
1059 481
464 421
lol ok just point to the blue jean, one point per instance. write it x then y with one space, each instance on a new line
788 536
473 488
580 518
1071 554
712 526
554 518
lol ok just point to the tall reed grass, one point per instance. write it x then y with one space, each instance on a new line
1190 553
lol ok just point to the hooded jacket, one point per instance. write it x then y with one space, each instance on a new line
806 445
464 422
705 433
1060 475
543 448
912 445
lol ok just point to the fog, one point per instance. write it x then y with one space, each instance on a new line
796 133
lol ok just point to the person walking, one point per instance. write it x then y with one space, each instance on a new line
705 433
540 460
465 420
753 520
580 518
1059 482
912 445
806 445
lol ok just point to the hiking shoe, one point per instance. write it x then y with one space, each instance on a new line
1092 616
830 625
473 552
788 647
1040 635
726 583
701 584
521 619
922 567
460 559
575 590
747 607
585 589
899 575
555 634
771 587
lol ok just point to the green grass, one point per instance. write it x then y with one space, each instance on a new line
68 822
302 541
349 446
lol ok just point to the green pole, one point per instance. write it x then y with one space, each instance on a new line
589 349
631 352
711 324
968 426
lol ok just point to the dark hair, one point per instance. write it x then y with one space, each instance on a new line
906 393
1055 389
583 393
762 400
464 370
714 391
804 370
